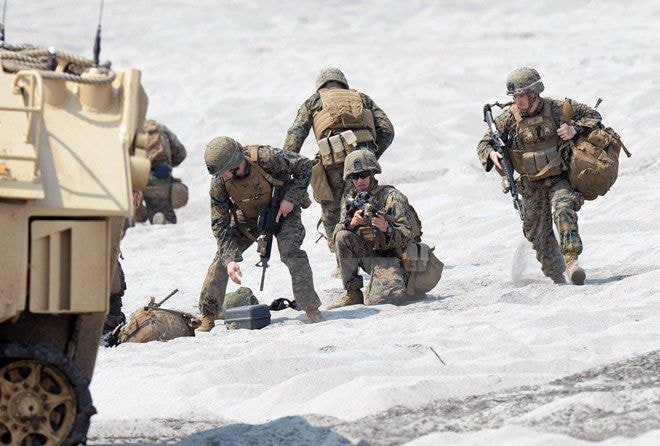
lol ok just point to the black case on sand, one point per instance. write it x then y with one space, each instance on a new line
252 317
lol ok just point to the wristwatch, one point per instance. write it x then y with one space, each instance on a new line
577 129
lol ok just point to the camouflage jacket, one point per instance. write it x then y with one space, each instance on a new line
171 153
395 205
303 123
280 164
584 116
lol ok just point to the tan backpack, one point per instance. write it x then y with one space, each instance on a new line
594 165
157 324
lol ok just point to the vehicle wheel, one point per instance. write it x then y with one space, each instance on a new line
44 397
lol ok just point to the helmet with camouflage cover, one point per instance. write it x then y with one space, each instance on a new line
222 154
239 298
360 161
330 74
523 80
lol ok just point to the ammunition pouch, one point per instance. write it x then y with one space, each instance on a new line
333 149
538 164
594 165
423 267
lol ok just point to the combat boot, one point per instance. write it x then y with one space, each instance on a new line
560 279
207 323
336 273
314 316
575 271
352 297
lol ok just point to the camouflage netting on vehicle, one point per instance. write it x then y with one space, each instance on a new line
53 64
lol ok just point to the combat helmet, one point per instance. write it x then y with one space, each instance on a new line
222 154
523 80
330 74
360 161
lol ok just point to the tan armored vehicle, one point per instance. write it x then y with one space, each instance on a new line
67 173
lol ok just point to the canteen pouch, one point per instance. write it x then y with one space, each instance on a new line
320 186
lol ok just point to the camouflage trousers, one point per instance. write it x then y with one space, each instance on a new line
388 278
157 198
117 278
546 201
289 240
331 210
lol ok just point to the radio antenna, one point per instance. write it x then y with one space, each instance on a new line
97 40
2 24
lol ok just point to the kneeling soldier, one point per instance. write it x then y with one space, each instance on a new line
375 228
243 179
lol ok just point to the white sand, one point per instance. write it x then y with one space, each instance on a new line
242 68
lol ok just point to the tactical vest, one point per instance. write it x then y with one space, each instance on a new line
253 191
342 109
540 156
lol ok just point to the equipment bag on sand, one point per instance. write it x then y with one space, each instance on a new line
423 267
157 324
594 166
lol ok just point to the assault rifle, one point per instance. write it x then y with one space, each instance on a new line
152 302
499 147
267 227
363 202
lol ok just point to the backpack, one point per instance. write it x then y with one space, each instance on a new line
594 161
157 324
594 165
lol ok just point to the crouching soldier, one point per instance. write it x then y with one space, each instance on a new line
243 182
164 193
376 229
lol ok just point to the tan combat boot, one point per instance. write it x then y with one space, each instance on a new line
207 323
352 297
314 316
336 273
575 271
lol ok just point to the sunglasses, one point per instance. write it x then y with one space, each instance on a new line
360 175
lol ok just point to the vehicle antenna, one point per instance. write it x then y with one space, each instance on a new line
2 24
97 40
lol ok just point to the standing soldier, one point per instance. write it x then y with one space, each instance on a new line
243 180
538 137
331 110
164 193
374 242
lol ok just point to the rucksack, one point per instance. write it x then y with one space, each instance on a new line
594 161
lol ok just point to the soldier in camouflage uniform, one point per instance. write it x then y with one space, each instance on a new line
165 152
539 133
242 182
373 242
326 111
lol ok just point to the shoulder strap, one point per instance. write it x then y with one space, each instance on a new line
516 114
253 159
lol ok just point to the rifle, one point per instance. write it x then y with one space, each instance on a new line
364 202
152 302
499 147
267 227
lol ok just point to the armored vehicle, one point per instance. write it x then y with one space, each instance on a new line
68 167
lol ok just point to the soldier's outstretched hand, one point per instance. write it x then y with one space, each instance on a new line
566 132
234 272
357 219
285 208
495 158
